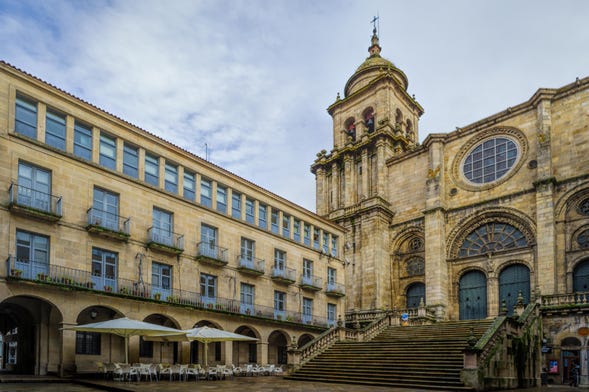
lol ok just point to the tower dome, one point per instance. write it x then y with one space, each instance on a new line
372 67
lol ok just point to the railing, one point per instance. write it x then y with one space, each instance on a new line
34 199
251 264
212 251
286 274
30 270
335 288
165 238
311 281
108 220
414 316
556 300
318 345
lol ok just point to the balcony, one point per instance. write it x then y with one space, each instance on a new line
34 204
284 275
50 275
211 254
250 265
311 282
165 241
108 225
336 290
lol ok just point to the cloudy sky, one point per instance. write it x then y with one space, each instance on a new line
251 79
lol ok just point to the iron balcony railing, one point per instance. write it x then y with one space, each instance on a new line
335 288
311 281
251 264
34 199
212 251
165 238
50 274
108 220
285 274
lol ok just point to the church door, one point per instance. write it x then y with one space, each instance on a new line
473 296
415 293
581 277
512 280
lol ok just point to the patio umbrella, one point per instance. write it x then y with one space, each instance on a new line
126 327
204 335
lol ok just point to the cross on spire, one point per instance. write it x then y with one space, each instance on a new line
373 21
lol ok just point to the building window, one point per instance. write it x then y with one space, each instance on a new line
145 348
32 248
307 269
130 161
262 217
583 239
285 226
492 238
236 205
246 296
208 288
325 243
189 186
55 129
208 239
279 260
583 207
307 310
105 211
25 117
87 343
415 266
249 211
221 199
334 245
34 187
206 192
490 160
247 249
161 276
297 230
104 269
316 237
162 227
307 234
82 140
171 178
331 276
331 314
279 302
108 151
152 170
274 221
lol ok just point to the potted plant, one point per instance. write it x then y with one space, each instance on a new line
157 296
248 312
16 273
108 289
124 290
89 285
41 276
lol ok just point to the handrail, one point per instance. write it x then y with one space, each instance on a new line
35 199
319 344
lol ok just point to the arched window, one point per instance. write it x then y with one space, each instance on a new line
351 129
583 239
398 117
513 280
583 207
369 120
472 296
490 238
415 293
581 277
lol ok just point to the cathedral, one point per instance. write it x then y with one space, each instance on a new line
467 222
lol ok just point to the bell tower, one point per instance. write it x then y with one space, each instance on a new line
374 121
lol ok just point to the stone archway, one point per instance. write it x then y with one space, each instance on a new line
277 348
246 352
30 332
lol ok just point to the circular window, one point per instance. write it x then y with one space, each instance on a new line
490 160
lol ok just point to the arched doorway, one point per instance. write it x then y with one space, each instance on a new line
473 296
581 277
158 351
277 348
214 350
304 339
570 348
415 293
245 352
513 280
29 328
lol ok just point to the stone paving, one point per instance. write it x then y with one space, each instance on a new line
241 384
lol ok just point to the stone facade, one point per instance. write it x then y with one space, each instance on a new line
468 219
103 219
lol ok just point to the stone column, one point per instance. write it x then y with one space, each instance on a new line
262 352
380 167
365 175
335 204
546 247
228 353
67 355
69 134
321 203
348 181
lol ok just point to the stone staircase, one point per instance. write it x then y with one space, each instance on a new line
413 357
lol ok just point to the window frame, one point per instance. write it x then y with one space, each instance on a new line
189 192
206 192
236 205
83 140
22 126
55 136
130 160
152 163
107 142
171 177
